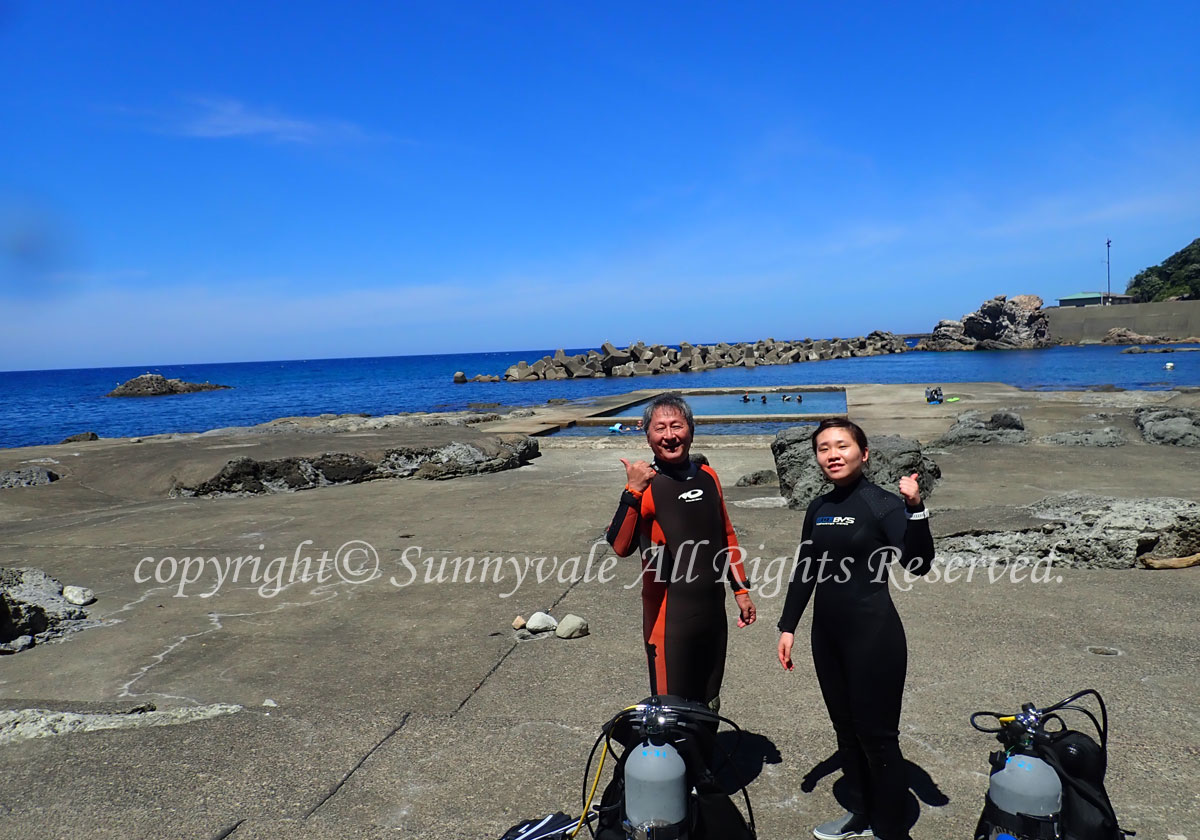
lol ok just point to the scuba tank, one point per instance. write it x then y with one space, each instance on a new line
656 788
1024 799
1047 784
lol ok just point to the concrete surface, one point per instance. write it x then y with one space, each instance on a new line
410 711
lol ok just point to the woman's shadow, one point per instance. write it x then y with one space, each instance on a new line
920 784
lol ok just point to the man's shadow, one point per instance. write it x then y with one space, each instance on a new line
740 756
920 785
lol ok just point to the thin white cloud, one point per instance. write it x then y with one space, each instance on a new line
223 118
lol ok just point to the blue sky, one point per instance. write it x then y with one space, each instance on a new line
192 182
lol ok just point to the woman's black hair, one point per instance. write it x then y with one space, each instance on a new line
860 437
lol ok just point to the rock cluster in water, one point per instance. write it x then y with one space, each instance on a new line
157 385
999 324
642 360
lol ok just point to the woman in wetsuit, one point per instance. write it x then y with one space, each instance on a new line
858 643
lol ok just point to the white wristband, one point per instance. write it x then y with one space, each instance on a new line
921 514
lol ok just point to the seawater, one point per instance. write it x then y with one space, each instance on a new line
39 407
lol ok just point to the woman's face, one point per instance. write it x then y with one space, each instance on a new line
839 455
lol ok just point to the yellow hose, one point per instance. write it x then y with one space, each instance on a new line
595 783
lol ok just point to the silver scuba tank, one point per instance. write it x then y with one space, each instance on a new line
656 793
1026 795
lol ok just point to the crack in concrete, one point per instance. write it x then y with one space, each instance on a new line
333 791
215 619
506 654
228 830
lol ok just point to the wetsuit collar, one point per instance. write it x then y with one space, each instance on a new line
679 472
842 492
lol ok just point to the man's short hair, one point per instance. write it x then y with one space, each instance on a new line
671 402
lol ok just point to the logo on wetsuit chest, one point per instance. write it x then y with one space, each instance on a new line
835 520
692 495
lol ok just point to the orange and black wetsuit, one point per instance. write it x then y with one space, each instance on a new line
689 551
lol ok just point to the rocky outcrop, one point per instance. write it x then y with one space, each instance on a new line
1106 436
1085 531
1168 426
1122 335
891 456
27 477
999 324
642 360
243 476
81 437
974 427
758 478
157 385
33 610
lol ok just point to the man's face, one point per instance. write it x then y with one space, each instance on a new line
669 436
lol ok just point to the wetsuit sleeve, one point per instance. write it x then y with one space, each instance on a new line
734 570
912 537
804 579
626 524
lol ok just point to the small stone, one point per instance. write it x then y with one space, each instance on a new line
524 635
78 595
135 440
571 627
270 702
18 644
518 622
540 622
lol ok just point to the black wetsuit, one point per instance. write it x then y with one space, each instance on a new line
689 551
858 643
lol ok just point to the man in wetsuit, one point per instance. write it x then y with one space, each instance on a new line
858 644
673 512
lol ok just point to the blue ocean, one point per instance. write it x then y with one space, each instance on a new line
38 407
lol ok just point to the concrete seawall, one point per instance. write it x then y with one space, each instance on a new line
1177 319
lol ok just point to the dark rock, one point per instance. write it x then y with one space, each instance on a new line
81 437
341 468
972 427
758 478
248 476
27 477
1107 436
890 458
33 609
157 385
1084 531
460 378
1169 426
